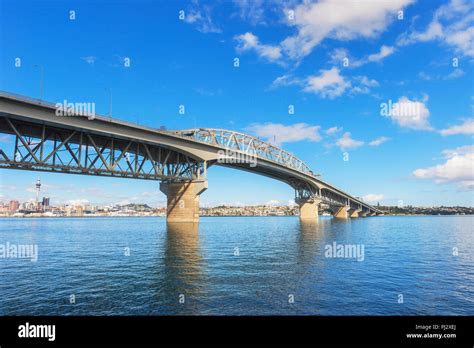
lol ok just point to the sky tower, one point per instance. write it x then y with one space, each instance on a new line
38 188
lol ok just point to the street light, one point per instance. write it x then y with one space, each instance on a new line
41 79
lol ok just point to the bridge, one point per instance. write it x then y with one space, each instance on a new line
89 144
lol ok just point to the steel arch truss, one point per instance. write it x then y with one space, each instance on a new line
246 144
45 148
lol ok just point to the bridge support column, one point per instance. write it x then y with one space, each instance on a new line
363 213
183 200
342 212
309 209
356 213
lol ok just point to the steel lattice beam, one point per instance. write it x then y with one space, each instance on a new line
44 148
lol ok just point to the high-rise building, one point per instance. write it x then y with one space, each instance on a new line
13 206
79 210
45 203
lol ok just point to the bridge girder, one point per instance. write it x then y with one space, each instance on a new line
46 148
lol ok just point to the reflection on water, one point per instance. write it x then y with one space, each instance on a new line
183 265
310 237
278 258
183 258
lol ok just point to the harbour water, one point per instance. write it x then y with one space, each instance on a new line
413 265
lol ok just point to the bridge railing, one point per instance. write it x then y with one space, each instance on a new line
248 145
53 105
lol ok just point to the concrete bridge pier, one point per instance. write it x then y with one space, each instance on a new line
356 213
342 212
309 208
183 200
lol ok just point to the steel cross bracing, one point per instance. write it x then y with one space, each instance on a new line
45 148
306 192
246 144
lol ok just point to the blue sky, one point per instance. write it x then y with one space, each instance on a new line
336 62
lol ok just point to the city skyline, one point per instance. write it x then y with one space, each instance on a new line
331 103
40 199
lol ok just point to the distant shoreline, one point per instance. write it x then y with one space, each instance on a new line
217 216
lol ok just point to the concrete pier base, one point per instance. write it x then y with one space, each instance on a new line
183 200
342 212
309 209
356 213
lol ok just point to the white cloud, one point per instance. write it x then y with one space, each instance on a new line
467 127
338 56
329 84
278 133
326 19
458 168
424 76
372 197
340 20
285 80
346 142
379 141
385 51
407 113
333 130
462 150
454 75
249 41
251 10
451 24
89 59
272 202
202 19
362 84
